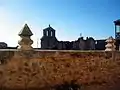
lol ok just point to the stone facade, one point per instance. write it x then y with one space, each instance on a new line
25 42
49 41
110 44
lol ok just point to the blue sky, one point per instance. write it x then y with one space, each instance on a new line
92 18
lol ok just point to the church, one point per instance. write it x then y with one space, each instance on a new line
49 41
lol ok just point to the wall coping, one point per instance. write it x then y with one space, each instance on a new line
58 50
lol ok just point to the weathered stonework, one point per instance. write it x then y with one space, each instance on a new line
92 70
110 44
25 42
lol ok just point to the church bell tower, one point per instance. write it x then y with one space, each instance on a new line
48 41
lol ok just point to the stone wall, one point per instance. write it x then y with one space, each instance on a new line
92 70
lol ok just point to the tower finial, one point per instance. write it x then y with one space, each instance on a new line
49 25
80 34
25 42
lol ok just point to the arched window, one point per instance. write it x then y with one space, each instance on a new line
96 42
51 33
46 33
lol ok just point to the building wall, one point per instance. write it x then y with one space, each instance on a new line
49 41
80 44
92 70
100 45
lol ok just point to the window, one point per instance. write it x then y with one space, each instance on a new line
96 42
46 33
51 33
117 29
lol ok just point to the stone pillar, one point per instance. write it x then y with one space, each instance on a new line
25 42
110 44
